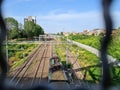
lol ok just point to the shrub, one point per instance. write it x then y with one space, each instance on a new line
19 55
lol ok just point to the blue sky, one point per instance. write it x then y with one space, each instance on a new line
61 15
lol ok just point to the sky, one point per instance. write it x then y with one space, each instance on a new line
62 15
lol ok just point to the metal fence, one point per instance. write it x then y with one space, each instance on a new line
106 79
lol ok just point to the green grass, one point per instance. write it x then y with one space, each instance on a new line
115 75
60 53
95 41
84 58
18 63
113 50
18 54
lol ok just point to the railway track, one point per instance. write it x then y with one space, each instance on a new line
24 65
42 69
58 77
78 76
32 70
39 67
72 59
36 69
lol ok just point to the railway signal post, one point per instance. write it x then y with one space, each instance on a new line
67 52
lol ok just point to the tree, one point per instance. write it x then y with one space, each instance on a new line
38 30
29 28
11 23
22 34
32 29
12 26
13 34
61 33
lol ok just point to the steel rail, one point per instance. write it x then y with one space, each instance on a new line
32 59
35 60
37 68
44 59
54 54
74 71
29 56
73 64
24 65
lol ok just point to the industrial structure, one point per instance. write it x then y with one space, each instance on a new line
30 18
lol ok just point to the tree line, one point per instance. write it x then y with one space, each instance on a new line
17 30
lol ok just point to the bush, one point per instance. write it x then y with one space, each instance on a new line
25 54
11 53
95 41
18 46
19 55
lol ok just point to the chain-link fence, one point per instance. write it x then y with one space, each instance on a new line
106 79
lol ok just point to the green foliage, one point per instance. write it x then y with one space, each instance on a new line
13 34
38 30
85 59
115 73
60 53
11 23
16 64
89 59
11 53
18 53
12 26
15 29
90 40
25 54
95 41
32 29
69 65
29 27
22 34
95 74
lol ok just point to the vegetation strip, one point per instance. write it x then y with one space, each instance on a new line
84 58
92 50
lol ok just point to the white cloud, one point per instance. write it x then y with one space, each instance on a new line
71 21
69 16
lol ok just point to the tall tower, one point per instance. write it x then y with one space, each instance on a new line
30 18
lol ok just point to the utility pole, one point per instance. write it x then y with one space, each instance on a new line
50 47
67 52
50 50
6 49
39 38
45 40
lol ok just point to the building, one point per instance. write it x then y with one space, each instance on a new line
94 32
66 33
30 18
73 33
97 32
87 32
